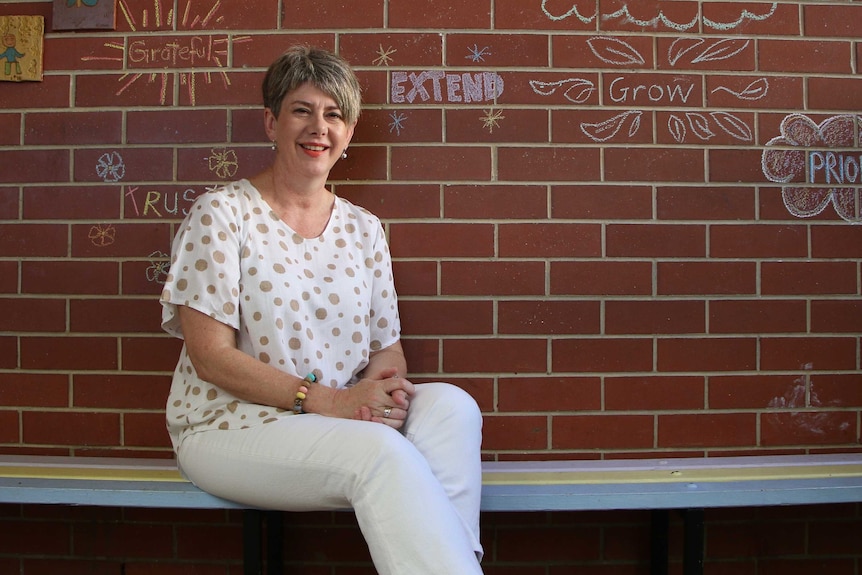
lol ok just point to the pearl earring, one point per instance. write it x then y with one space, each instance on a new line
344 154
274 145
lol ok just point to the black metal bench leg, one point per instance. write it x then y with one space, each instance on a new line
659 527
692 559
252 549
274 542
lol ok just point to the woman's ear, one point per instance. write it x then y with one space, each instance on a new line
269 121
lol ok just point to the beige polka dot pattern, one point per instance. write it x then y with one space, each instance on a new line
297 304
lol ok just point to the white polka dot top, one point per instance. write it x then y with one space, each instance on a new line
298 304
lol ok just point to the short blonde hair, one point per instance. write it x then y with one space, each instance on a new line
326 71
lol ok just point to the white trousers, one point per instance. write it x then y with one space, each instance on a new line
416 492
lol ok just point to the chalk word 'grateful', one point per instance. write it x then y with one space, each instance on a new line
440 86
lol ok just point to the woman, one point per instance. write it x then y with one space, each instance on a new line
290 390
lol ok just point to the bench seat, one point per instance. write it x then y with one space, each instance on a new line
659 485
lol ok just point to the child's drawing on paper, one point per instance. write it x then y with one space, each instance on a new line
21 48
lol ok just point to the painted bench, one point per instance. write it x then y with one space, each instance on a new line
688 485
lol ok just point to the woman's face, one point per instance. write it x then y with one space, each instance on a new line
310 131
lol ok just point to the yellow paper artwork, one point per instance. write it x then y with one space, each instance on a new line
21 48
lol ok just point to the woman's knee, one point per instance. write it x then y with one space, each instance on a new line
447 402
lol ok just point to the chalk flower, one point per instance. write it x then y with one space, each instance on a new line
802 150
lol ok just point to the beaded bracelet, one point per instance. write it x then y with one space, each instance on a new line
302 392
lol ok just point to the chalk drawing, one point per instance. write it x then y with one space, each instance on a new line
709 50
625 15
478 54
397 123
677 90
158 203
604 131
110 167
384 56
466 87
801 396
223 163
615 51
578 90
754 91
157 272
491 119
822 163
701 126
102 236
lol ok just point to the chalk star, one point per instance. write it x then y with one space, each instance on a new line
491 119
384 55
397 123
477 54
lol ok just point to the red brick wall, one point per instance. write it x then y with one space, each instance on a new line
594 234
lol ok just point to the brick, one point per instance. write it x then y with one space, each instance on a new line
141 16
832 21
590 201
602 355
805 353
706 53
792 278
492 124
755 92
8 277
35 166
554 15
10 129
33 315
757 539
703 203
835 390
122 539
246 127
654 393
819 427
77 128
220 164
841 94
601 278
33 240
497 50
65 353
550 89
364 163
261 49
9 357
35 538
495 201
770 19
540 240
171 126
653 240
707 430
34 390
127 165
572 543
145 430
578 51
492 278
150 353
441 317
600 126
514 432
225 88
835 537
263 15
735 165
394 200
9 200
757 316
136 89
603 431
758 241
71 428
836 241
115 315
423 355
710 128
392 49
69 277
402 126
757 391
51 92
89 202
495 355
72 53
361 14
653 165
415 277
119 391
424 14
127 239
836 316
441 240
704 355
654 317
548 164
706 277
441 163
549 317
805 56
554 394
9 426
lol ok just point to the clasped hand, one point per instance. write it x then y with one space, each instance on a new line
384 398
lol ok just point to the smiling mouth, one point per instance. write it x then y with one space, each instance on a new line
314 148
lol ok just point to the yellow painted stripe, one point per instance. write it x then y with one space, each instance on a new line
95 473
670 475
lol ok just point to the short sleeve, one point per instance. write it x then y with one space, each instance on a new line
205 263
385 322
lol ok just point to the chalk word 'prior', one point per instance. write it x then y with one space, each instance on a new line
622 93
436 85
187 51
834 168
161 203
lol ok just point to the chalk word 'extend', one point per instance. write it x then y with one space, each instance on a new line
835 168
466 87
